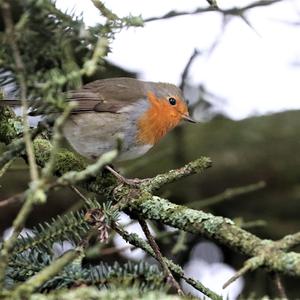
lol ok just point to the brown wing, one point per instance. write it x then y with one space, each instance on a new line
107 95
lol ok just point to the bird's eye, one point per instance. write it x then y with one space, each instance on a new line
172 101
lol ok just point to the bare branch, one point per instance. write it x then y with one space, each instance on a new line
251 264
187 68
135 240
280 287
237 11
227 195
12 200
159 257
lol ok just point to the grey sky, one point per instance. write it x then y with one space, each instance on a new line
251 69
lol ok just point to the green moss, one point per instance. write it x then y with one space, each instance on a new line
288 263
42 149
10 126
212 224
65 161
200 164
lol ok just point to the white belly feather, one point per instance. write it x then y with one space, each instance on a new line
92 134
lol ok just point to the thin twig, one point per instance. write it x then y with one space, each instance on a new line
6 167
76 191
252 224
113 250
18 198
227 195
17 146
56 139
220 229
280 287
179 154
212 3
104 10
250 264
20 72
159 257
187 67
73 177
219 36
34 192
138 242
180 244
231 11
31 197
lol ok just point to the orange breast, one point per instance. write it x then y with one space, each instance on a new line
156 121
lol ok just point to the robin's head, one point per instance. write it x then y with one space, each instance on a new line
166 109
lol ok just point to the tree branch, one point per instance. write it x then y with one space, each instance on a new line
20 72
135 240
159 257
236 11
145 204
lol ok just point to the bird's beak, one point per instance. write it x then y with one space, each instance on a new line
188 119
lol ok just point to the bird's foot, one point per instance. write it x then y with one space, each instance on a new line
134 182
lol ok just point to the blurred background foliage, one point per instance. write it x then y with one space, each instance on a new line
264 148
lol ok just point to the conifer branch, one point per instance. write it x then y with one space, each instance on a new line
152 207
135 240
274 256
26 289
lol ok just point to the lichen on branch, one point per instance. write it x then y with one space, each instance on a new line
142 202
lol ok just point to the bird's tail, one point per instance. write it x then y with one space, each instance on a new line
32 111
12 103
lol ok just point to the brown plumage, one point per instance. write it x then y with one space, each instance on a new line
138 111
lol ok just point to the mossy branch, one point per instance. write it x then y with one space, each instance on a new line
220 229
193 167
145 204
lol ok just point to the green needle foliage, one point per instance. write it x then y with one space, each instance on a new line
54 47
71 227
33 253
51 43
141 275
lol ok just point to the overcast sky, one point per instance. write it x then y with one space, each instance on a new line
252 69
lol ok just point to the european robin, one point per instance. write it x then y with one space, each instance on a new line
139 112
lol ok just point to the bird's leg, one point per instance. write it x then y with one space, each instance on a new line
133 182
